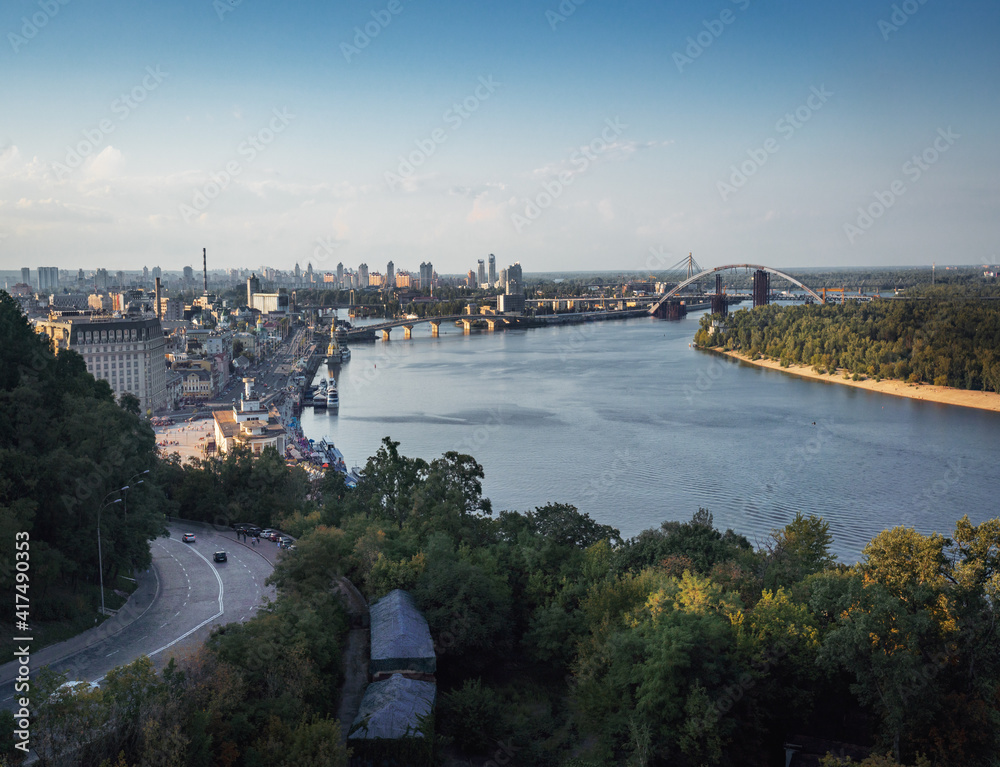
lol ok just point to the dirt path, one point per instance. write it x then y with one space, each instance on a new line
355 660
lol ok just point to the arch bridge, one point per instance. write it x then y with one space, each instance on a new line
680 286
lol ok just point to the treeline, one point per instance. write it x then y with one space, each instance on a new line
946 341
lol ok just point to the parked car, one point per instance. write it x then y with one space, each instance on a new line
220 556
189 538
275 535
285 542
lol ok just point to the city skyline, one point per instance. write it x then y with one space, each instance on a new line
572 136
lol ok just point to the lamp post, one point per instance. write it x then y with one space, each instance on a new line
100 560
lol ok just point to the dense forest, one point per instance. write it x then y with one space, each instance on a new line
557 641
938 338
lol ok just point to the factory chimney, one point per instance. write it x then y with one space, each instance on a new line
159 313
204 268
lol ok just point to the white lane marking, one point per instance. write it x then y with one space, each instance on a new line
112 653
204 622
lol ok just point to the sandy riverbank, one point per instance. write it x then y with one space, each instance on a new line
944 395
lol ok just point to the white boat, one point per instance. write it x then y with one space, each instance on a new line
345 353
332 398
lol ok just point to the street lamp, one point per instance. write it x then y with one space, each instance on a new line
100 560
124 491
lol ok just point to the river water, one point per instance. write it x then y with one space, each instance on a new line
628 422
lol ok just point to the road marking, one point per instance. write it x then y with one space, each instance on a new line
111 653
204 622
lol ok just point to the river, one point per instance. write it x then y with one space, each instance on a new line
628 422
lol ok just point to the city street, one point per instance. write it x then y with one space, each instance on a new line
192 594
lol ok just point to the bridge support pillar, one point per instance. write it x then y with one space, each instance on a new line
407 331
385 334
467 326
435 327
491 324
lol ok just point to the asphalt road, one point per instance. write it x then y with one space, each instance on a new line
193 594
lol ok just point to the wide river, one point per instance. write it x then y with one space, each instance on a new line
630 424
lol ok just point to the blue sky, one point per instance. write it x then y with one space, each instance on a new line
566 136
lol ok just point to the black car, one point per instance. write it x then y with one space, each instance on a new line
220 556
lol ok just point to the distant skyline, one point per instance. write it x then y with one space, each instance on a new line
569 136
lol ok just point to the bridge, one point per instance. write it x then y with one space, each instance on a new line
385 328
761 287
492 321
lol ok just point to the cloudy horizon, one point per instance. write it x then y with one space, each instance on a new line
569 136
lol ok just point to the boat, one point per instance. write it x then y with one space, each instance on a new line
331 455
332 398
345 353
333 348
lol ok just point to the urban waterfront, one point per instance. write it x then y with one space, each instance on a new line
630 424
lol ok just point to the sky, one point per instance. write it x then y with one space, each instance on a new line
573 135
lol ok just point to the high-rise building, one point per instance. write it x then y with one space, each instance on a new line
48 279
101 279
390 275
26 275
470 280
503 279
145 275
512 302
188 275
156 273
126 352
298 274
253 286
515 283
426 275
481 273
340 275
493 270
309 273
363 276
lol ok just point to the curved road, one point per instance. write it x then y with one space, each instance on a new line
193 595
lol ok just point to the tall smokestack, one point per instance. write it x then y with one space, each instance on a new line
159 313
204 268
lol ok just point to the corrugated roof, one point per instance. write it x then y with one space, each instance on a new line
393 708
399 631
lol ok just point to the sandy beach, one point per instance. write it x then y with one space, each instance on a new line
944 395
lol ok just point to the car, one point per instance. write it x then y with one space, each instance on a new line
188 538
285 542
68 689
220 556
275 535
267 533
